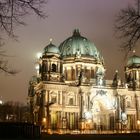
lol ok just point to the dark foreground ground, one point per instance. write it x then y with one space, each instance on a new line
130 136
30 131
92 137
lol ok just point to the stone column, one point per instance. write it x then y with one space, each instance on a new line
137 79
82 124
43 103
118 113
47 111
137 98
81 105
43 108
58 66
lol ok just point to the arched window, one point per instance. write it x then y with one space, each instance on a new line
53 68
53 99
71 101
44 67
128 104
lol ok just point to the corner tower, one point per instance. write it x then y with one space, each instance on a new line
132 71
50 63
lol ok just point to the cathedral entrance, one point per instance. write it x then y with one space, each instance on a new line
103 110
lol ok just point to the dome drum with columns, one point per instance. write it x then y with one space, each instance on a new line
70 91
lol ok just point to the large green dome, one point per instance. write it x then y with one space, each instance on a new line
134 61
78 43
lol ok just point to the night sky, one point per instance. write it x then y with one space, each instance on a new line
94 18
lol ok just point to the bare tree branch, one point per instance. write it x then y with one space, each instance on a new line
127 26
4 68
12 13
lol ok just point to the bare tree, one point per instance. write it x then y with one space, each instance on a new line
12 13
14 111
127 26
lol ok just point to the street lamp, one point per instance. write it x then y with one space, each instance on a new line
138 125
44 120
44 124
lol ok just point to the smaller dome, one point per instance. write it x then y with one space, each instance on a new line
134 61
51 48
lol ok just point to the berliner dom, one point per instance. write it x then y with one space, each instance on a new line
70 92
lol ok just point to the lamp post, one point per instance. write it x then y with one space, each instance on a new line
138 125
44 124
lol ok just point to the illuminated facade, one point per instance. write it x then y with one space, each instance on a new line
70 91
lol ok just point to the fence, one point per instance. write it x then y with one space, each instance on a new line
19 130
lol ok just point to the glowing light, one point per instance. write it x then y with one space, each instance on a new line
1 102
106 103
88 115
89 121
124 116
39 54
44 120
37 66
134 51
51 40
138 122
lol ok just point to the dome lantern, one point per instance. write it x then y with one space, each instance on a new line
76 32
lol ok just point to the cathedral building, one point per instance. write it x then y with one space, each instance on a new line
70 92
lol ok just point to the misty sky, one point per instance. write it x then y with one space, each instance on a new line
95 20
